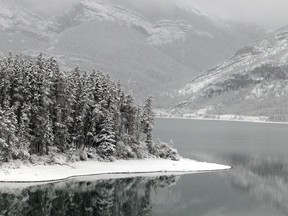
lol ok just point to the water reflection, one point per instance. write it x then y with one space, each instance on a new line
263 178
259 181
130 196
257 184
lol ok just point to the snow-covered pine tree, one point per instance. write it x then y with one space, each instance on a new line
60 132
48 136
23 132
147 121
5 81
3 84
15 81
138 124
76 88
8 138
60 107
106 139
119 123
128 110
41 125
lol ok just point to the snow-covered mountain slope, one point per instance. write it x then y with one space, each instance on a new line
15 18
145 47
161 33
253 82
20 29
189 37
123 54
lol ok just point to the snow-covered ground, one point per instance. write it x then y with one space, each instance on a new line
229 117
46 173
237 118
202 115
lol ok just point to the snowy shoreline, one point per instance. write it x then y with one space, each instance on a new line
243 119
54 173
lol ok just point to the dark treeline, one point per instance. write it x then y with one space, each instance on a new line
45 111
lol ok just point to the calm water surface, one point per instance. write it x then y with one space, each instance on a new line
257 184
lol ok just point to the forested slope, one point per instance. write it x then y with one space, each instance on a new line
254 82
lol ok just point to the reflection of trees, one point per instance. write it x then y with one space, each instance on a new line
115 197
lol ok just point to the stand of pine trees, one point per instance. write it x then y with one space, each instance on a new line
45 111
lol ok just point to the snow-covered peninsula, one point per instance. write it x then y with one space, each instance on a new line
56 125
47 173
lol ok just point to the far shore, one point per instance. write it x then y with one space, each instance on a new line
229 120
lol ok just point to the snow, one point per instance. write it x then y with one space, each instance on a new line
47 173
270 51
203 114
257 92
165 35
243 118
233 118
204 111
160 33
272 89
12 16
168 31
227 117
198 84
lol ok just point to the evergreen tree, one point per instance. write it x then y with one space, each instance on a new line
88 121
76 87
106 138
60 105
8 138
40 116
147 119
138 124
23 132
128 111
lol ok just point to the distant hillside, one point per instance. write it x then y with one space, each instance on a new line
253 82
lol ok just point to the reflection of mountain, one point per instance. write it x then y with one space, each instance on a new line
265 179
255 185
127 197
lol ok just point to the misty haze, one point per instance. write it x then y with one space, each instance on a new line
132 107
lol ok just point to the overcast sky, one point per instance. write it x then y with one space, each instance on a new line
268 13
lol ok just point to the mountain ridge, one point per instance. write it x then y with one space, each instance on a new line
248 83
145 50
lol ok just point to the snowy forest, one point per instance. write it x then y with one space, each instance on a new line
46 112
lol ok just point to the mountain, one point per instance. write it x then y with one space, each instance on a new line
146 46
15 18
254 82
20 29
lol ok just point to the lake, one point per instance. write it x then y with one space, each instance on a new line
257 184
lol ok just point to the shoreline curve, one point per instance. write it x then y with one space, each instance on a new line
149 167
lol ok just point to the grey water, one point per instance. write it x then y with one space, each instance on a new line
257 184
